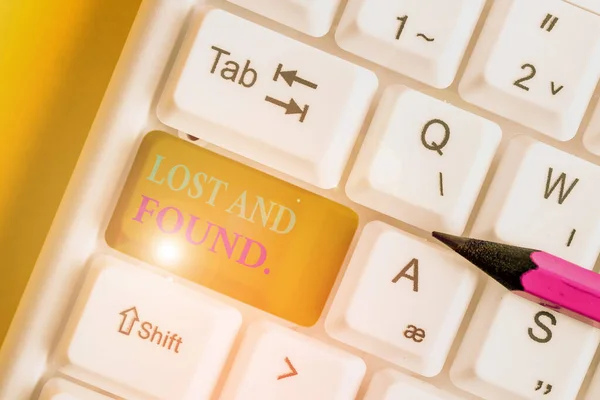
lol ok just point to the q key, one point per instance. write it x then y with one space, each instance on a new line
423 161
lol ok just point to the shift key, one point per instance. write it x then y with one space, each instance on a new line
231 228
140 335
268 97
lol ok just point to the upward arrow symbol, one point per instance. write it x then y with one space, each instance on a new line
292 76
130 317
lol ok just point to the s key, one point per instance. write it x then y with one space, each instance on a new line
517 349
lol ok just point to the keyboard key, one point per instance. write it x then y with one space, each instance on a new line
138 334
277 363
423 161
423 39
62 389
391 385
593 391
590 5
536 62
517 349
543 198
591 137
283 104
313 17
231 228
402 299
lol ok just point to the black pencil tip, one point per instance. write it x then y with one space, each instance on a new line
454 242
504 263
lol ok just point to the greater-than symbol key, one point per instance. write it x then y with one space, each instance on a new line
292 372
290 108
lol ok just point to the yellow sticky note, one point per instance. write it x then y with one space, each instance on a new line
231 228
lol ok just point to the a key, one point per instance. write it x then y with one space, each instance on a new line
543 198
591 137
423 161
281 103
423 39
313 17
231 228
62 389
140 335
276 363
536 62
401 299
392 385
517 349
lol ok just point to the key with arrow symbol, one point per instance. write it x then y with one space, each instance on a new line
292 76
130 317
290 108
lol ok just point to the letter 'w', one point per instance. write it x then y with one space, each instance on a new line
562 195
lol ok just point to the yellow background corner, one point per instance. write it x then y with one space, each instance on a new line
56 59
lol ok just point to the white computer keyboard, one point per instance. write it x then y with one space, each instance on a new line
250 216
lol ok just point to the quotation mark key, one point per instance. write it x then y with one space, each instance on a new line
539 386
549 18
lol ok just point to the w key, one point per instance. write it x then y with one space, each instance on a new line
536 62
546 199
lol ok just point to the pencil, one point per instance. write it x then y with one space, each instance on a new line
540 276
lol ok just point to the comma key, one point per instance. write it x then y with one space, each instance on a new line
402 299
140 335
517 349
